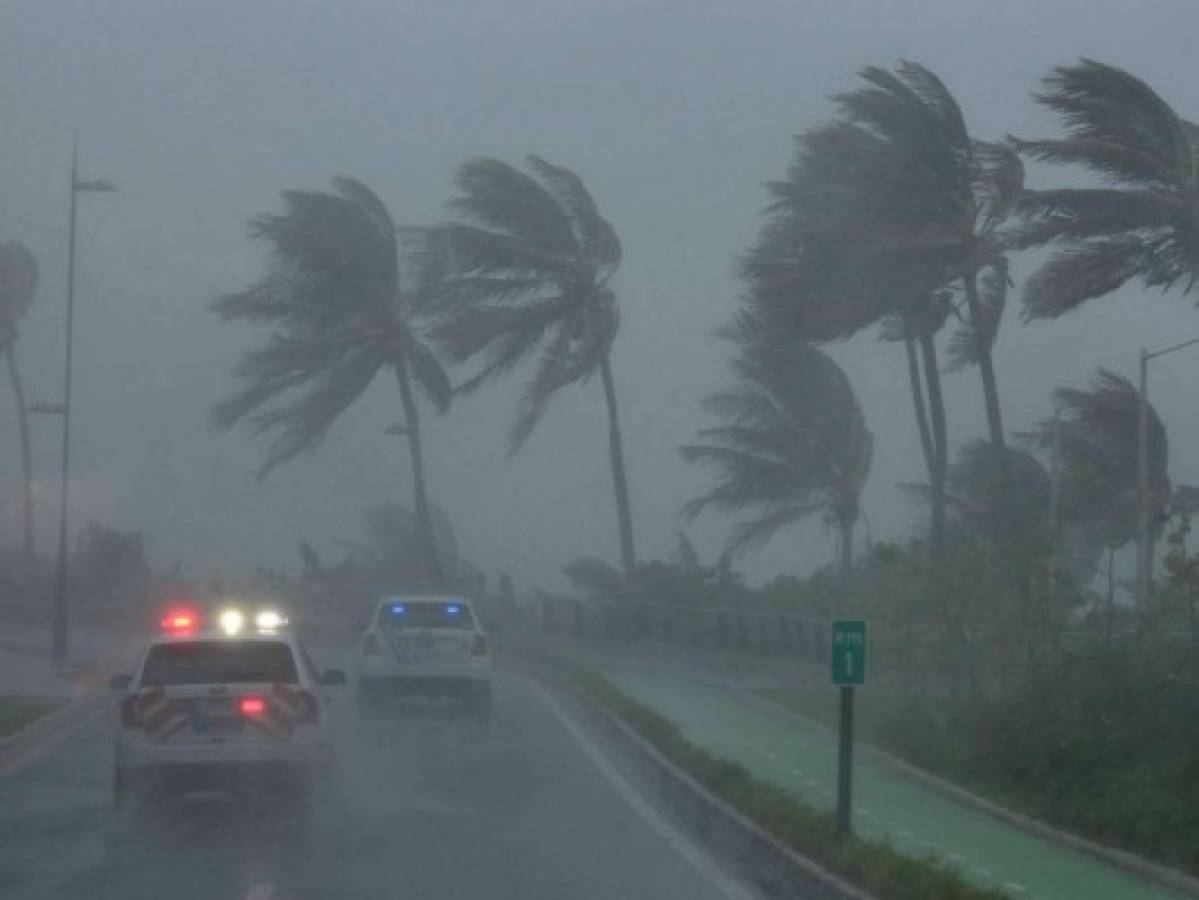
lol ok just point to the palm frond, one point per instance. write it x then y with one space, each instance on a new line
963 348
499 196
1117 126
595 235
574 353
426 370
1094 269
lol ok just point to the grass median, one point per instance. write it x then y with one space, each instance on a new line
17 712
873 866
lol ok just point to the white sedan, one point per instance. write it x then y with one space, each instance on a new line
426 645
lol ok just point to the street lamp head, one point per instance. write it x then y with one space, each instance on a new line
96 186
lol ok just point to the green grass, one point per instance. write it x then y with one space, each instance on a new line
17 712
871 865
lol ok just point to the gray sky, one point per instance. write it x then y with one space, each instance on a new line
673 112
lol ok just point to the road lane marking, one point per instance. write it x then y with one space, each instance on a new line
261 892
45 744
701 862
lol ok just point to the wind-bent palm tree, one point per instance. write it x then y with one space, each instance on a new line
808 278
1143 223
936 199
18 285
532 263
791 442
343 304
1096 438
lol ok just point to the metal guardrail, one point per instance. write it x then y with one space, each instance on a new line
759 632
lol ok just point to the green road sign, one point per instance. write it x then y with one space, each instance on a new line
848 656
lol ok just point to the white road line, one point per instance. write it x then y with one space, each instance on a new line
261 892
45 745
724 883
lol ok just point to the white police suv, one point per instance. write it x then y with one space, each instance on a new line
232 704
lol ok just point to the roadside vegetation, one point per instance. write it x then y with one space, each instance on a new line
18 712
870 865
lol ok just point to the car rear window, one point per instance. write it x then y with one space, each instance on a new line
406 614
220 662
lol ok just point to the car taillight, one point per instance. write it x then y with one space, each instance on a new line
131 712
478 646
371 648
252 707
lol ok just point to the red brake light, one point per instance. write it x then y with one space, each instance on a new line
180 621
252 706
479 646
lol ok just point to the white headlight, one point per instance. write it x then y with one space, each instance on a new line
269 620
231 621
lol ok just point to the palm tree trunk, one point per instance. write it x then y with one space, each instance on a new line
624 517
940 454
433 563
845 529
986 366
18 389
1111 593
926 440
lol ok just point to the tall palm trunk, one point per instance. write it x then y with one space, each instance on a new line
845 529
18 390
986 365
628 555
940 452
926 440
424 521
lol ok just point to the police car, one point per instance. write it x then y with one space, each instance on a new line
429 645
232 704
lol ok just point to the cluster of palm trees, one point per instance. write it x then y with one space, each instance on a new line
892 217
520 277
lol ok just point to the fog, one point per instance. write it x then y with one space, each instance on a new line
674 114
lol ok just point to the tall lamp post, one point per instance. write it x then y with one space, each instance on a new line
1144 546
58 647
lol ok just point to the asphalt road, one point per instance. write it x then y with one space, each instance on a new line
420 806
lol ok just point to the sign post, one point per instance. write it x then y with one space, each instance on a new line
847 666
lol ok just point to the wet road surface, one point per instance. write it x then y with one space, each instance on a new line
421 805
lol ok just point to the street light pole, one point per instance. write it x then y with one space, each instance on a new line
58 647
1144 579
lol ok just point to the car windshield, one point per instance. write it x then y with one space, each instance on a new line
220 662
403 615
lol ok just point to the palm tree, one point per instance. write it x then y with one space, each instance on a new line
1142 223
791 442
531 268
1095 434
343 304
935 204
18 285
808 276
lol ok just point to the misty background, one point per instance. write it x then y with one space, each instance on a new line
673 113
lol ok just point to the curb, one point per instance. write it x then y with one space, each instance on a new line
40 735
774 868
1129 862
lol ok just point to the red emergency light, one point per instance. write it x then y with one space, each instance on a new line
180 620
